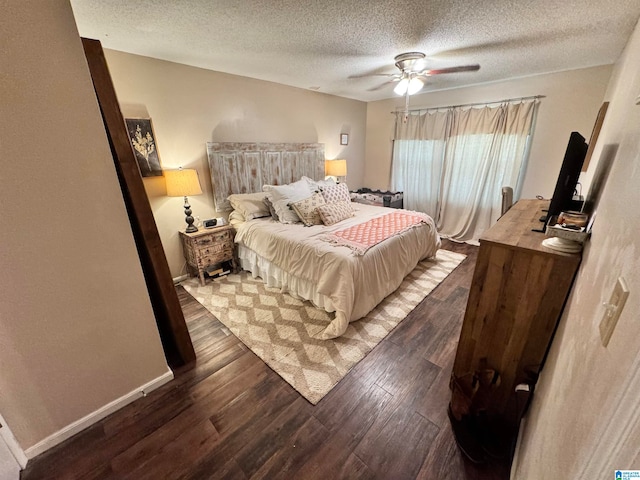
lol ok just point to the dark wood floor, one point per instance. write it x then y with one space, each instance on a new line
231 417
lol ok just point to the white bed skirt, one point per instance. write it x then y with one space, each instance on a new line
273 276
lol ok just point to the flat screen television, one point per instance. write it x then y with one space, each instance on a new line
562 199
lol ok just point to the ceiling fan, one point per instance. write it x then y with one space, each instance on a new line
413 73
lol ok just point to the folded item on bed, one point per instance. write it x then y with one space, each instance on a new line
363 236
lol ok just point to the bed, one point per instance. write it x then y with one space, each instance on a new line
303 261
298 260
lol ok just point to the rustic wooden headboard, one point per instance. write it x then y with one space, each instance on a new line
245 167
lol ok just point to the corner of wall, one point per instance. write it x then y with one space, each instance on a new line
97 415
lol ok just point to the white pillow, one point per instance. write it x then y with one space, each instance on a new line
316 184
236 218
250 205
282 195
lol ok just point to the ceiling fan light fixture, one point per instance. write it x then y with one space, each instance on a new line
408 86
401 87
415 85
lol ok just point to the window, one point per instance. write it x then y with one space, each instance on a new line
452 164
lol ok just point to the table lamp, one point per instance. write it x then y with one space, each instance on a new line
181 183
336 168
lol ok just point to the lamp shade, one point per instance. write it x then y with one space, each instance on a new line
336 168
182 183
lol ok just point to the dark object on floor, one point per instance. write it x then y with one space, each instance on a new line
477 435
466 436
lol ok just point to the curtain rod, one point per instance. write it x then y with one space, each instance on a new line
532 97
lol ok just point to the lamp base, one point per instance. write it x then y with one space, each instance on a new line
337 179
189 219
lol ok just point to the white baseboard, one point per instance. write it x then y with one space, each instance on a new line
94 417
12 443
179 279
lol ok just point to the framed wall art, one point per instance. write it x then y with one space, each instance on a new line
594 135
143 142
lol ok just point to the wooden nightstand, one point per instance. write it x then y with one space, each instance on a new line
208 246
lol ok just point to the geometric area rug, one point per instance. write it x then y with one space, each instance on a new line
278 328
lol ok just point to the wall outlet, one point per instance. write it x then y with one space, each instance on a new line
613 309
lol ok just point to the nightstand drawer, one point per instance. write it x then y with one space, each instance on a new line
214 249
218 237
221 256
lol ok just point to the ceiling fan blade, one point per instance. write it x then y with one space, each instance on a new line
366 75
461 68
382 85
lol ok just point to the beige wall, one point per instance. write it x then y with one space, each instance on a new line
190 106
76 326
585 421
572 101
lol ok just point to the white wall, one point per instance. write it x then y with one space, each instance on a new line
584 421
572 101
77 330
191 106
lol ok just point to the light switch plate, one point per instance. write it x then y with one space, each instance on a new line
613 309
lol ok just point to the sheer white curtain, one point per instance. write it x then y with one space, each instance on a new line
452 163
418 156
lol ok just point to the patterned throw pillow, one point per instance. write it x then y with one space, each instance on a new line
282 195
336 193
307 209
331 213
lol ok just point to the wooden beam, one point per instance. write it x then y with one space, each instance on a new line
169 317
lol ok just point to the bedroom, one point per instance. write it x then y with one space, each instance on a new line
94 213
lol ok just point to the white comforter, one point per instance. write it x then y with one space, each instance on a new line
355 284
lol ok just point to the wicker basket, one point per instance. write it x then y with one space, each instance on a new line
566 233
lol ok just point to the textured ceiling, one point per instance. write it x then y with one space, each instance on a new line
321 44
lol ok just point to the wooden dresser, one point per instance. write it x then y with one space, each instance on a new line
518 292
208 247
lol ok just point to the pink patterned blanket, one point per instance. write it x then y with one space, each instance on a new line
363 236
